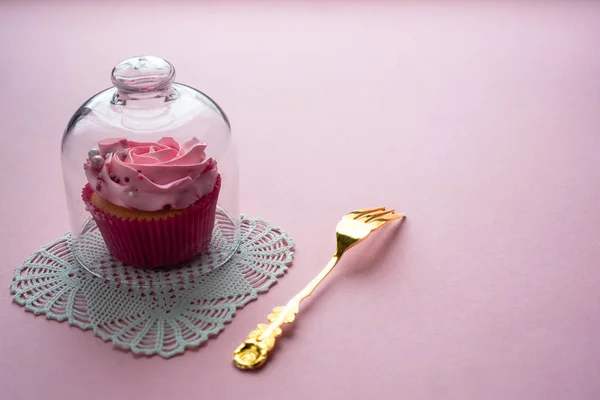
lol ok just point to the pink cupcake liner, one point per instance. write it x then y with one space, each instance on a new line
161 242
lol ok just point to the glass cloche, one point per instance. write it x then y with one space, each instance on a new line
151 179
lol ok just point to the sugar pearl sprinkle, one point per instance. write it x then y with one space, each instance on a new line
93 152
129 190
97 162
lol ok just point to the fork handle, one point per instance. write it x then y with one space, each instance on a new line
253 352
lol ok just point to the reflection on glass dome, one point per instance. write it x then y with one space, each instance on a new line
150 173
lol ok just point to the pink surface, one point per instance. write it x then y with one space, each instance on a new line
481 122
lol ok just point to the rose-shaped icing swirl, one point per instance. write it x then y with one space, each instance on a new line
151 176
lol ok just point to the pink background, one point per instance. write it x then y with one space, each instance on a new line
481 122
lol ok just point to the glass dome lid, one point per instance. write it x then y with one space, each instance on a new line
151 177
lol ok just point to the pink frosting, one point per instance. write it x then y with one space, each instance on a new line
152 176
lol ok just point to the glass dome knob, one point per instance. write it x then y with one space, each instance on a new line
143 74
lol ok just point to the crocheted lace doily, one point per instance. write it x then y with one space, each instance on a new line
162 320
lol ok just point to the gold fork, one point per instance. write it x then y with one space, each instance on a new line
351 230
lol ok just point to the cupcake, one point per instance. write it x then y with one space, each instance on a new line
154 203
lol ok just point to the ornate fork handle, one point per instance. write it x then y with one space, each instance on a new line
252 353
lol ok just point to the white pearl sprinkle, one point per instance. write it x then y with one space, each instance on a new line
93 152
97 162
130 194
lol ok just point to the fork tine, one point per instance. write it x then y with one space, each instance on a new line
379 221
368 210
371 216
359 213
